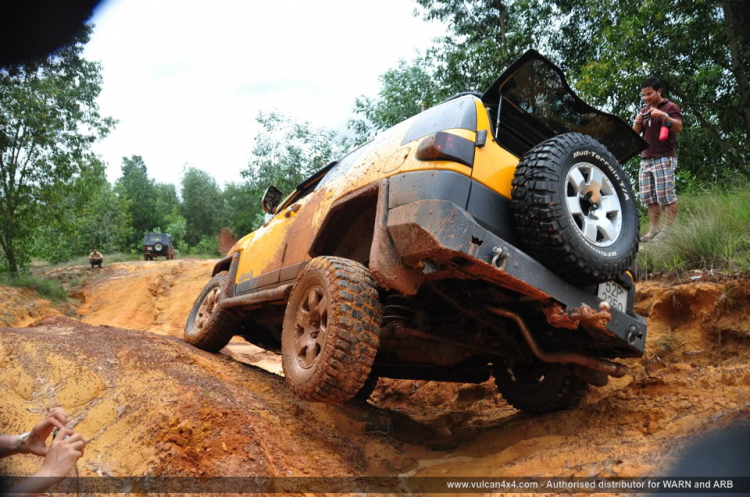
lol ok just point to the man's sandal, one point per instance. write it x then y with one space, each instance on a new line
649 236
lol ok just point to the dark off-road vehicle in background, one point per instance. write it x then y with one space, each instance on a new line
157 245
494 234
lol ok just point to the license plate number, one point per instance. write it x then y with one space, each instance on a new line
614 294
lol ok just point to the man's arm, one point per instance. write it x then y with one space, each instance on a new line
9 445
674 119
62 455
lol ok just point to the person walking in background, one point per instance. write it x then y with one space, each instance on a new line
659 122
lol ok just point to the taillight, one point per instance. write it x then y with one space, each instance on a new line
445 146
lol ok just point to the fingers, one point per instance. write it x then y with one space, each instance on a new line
58 414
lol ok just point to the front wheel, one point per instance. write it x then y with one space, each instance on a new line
539 387
331 330
574 209
208 326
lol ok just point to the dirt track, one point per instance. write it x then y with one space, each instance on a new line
152 405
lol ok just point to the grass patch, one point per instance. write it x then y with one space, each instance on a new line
84 261
47 288
711 232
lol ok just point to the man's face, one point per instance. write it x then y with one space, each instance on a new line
650 96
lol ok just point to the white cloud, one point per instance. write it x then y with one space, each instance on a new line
187 79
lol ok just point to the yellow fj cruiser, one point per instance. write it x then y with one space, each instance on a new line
494 234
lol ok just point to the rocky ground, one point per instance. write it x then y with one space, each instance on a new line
152 405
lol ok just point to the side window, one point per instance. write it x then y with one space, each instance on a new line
458 113
344 165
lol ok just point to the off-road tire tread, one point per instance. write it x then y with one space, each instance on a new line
221 326
354 319
540 219
558 392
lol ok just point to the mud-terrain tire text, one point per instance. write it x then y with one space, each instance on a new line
574 209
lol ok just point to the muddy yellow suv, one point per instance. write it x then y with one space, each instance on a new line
491 235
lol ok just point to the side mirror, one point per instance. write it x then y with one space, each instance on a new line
271 199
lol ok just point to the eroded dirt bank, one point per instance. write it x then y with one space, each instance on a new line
153 405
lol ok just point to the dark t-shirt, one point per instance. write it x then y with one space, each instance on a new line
651 132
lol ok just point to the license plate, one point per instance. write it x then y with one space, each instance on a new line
614 294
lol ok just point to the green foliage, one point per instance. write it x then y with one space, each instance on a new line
176 225
406 91
484 37
284 154
47 288
202 205
712 231
242 208
91 216
207 246
48 120
609 47
141 192
700 49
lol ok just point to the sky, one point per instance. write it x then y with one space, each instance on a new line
187 79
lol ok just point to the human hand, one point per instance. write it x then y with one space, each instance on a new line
62 455
639 118
36 442
658 113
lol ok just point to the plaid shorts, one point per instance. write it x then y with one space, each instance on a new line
656 180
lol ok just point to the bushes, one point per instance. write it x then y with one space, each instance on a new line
712 231
51 289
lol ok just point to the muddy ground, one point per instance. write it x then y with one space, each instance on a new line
113 358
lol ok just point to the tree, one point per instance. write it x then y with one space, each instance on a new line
285 153
698 49
484 37
202 205
140 190
167 202
48 120
243 211
91 216
406 90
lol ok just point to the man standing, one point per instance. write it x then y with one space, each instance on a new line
658 162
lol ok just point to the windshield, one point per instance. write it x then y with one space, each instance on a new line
537 104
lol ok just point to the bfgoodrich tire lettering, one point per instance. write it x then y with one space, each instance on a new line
574 210
331 330
208 327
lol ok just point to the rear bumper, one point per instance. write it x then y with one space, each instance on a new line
438 231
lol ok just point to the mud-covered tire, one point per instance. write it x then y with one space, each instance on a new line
540 387
574 209
208 327
331 330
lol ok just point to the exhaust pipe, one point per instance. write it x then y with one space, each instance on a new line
602 365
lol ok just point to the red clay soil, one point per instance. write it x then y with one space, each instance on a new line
153 405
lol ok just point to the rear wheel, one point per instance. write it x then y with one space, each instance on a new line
331 330
208 327
540 387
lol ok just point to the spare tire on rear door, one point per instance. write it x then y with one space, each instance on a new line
574 209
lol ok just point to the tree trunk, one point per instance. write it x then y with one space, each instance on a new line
736 22
11 256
